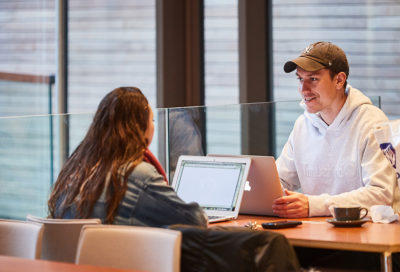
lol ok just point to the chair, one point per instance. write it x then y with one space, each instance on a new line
60 237
130 247
20 239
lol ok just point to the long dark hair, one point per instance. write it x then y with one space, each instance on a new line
114 144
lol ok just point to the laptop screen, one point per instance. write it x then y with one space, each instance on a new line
213 185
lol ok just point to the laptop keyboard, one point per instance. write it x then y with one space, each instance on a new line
216 218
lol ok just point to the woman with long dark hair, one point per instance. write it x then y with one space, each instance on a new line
113 176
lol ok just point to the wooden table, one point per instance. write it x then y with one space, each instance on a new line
14 264
317 233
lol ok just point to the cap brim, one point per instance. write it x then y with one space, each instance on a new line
305 63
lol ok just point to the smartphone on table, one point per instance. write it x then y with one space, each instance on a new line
280 224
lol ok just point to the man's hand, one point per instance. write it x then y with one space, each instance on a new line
291 205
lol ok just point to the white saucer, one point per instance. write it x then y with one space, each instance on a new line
347 224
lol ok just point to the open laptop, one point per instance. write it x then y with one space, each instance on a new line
263 188
215 183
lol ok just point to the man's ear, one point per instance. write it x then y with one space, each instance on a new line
340 80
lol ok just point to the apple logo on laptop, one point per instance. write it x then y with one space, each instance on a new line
247 186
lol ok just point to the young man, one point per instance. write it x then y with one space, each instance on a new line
331 155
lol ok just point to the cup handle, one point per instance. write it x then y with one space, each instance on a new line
366 213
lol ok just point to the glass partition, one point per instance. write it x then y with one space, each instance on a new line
251 129
25 165
30 156
30 145
25 94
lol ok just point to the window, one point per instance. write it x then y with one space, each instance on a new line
221 52
27 66
368 31
222 76
111 44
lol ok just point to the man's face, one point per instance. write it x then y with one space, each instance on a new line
318 90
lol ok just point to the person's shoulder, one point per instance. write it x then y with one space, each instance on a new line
364 108
146 173
370 108
372 114
368 118
144 169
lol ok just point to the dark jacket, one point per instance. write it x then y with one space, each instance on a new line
235 249
148 201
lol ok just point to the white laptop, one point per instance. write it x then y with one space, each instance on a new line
263 188
215 183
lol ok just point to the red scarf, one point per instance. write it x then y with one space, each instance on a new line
150 158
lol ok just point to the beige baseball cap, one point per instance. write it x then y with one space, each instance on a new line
320 55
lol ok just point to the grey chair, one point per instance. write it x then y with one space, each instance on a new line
60 237
130 247
20 239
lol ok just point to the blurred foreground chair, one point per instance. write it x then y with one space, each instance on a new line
60 237
130 247
20 239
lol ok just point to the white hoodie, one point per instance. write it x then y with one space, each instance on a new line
342 163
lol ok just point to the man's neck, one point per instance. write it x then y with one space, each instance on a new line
330 115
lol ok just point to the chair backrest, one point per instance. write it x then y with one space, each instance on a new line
20 239
60 237
130 247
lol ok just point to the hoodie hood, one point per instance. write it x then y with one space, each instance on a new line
354 100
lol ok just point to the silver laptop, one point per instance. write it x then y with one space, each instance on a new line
263 185
215 183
